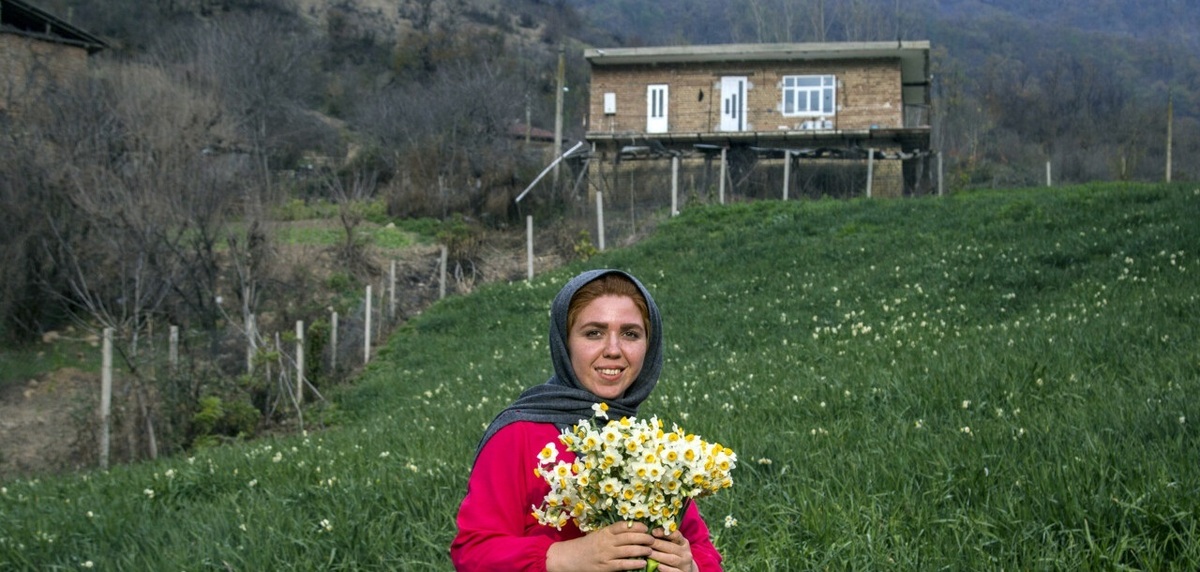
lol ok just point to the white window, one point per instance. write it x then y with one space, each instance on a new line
809 95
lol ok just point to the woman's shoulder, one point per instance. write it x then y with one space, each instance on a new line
520 431
517 443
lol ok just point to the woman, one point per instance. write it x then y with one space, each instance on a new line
606 346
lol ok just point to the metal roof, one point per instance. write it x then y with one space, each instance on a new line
20 17
913 55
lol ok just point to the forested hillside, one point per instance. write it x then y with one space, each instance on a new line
1017 83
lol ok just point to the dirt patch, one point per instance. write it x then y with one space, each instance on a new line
40 423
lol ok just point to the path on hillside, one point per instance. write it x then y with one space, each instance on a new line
40 423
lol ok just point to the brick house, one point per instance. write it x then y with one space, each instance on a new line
767 104
37 51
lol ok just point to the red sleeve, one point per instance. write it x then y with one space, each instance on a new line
704 554
496 531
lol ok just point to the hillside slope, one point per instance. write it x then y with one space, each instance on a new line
985 381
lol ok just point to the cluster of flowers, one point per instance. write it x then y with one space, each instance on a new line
629 470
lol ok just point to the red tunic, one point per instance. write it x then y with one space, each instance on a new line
496 528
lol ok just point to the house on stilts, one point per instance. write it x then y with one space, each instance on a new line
764 120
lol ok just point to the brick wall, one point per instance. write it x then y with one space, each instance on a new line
868 94
28 67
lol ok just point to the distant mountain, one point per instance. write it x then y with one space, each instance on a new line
1159 39
1083 84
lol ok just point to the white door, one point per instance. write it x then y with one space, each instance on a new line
656 109
733 103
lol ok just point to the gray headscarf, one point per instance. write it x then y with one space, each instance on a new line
562 400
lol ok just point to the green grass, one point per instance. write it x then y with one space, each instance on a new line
20 364
386 237
998 381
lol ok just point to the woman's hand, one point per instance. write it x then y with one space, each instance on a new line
672 552
620 546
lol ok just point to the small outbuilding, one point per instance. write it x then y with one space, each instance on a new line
37 50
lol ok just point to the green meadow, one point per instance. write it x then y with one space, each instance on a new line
987 381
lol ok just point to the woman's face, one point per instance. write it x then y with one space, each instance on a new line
607 345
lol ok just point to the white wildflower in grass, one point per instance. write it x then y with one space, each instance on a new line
326 526
730 522
88 564
629 470
149 493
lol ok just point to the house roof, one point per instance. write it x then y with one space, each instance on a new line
20 17
913 56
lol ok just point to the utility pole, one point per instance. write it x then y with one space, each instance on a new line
558 108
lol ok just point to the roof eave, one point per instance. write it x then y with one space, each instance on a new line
58 30
913 54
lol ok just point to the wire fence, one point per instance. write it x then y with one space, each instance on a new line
183 388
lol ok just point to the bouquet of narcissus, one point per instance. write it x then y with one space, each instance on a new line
629 470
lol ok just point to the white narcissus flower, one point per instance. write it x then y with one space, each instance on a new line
549 454
600 409
629 470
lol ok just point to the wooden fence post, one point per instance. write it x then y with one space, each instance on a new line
392 295
173 349
367 330
870 170
675 185
787 173
106 396
600 218
333 342
299 361
529 244
379 325
721 194
941 189
443 261
251 347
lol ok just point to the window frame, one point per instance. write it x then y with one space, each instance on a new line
824 83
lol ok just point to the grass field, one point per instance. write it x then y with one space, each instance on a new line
989 381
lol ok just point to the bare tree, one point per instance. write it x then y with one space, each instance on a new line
352 193
263 69
451 135
125 151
